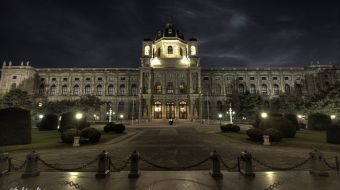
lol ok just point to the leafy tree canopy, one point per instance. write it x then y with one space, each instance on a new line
17 98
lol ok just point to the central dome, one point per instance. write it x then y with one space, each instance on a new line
169 32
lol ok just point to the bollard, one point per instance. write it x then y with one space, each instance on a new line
266 140
216 170
103 165
4 163
134 159
31 168
318 166
246 164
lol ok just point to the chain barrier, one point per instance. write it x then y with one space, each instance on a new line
329 165
75 185
20 167
229 167
118 169
174 168
67 169
281 168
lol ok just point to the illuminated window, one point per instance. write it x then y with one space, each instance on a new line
170 50
170 88
122 90
88 90
264 89
99 90
64 90
158 88
276 89
193 50
76 90
53 90
252 89
133 90
110 90
147 50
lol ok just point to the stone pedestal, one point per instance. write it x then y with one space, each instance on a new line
266 140
76 142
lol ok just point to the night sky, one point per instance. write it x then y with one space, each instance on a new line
241 33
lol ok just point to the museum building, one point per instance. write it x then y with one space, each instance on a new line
170 83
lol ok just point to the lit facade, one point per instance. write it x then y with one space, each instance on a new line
168 84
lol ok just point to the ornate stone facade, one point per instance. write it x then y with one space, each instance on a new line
168 84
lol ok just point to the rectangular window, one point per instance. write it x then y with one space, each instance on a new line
14 77
251 78
264 78
240 78
54 79
64 79
42 79
205 78
274 78
100 78
286 78
122 78
76 79
88 79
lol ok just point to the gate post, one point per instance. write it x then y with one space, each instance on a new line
318 167
215 172
246 164
31 169
103 165
134 172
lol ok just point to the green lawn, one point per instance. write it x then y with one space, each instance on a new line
51 139
303 139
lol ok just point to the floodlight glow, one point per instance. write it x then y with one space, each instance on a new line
300 116
121 116
264 115
41 116
155 61
79 115
333 116
219 115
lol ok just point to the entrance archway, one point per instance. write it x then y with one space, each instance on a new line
170 110
183 110
157 110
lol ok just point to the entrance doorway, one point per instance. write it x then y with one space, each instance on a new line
170 110
183 110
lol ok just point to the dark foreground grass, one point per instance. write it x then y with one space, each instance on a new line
51 139
303 139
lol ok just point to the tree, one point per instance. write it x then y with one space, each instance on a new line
287 104
248 104
17 98
327 102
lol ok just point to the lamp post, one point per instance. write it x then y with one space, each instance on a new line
121 116
208 106
231 113
79 116
264 115
110 114
220 117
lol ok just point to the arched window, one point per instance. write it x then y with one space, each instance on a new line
298 89
170 88
121 107
53 90
217 90
287 89
133 89
99 91
110 90
41 90
158 110
170 50
229 89
193 50
147 50
252 89
13 86
276 89
264 89
122 90
182 88
64 90
241 89
87 90
158 88
183 110
76 90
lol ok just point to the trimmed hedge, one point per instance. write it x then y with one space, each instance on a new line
68 121
333 133
109 127
119 128
15 126
68 135
48 122
255 134
274 134
230 128
286 127
92 134
318 121
292 118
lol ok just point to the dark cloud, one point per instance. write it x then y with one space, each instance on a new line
109 33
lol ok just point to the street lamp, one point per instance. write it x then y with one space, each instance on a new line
264 115
40 104
121 116
231 113
220 116
76 138
41 116
333 116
